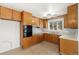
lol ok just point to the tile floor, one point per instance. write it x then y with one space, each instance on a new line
43 48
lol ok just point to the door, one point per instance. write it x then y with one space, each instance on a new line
9 35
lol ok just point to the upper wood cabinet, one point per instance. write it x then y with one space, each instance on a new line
41 23
45 23
65 21
16 15
35 21
5 13
73 16
26 18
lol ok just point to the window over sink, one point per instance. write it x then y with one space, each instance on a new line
56 24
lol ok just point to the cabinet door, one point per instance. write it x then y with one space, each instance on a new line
68 47
73 16
26 42
45 23
41 23
50 38
34 39
35 21
16 15
5 13
40 38
55 38
27 18
66 21
45 36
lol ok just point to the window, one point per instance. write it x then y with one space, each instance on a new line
60 25
56 24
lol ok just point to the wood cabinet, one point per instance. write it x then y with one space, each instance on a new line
73 16
51 38
34 39
40 38
16 15
66 21
26 42
9 14
41 23
45 37
26 18
45 23
5 13
38 22
37 38
55 38
35 21
68 47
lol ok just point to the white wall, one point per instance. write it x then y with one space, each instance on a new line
9 35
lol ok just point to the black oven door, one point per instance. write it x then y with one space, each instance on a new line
27 31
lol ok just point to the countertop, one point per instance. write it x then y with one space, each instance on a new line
69 37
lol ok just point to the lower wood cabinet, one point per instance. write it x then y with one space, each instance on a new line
51 38
45 37
68 47
54 38
26 42
37 39
40 38
34 39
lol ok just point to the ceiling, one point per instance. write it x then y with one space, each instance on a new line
42 10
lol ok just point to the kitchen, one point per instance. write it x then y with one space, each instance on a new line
57 26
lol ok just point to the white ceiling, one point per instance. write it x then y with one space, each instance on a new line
40 9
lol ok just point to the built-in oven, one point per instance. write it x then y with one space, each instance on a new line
27 31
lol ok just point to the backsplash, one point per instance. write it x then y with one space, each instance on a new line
37 30
67 32
70 33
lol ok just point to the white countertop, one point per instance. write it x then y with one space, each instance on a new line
69 38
